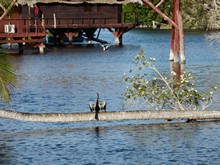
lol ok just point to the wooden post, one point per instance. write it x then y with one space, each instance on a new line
177 35
90 34
54 21
176 31
69 35
172 36
9 44
43 22
177 43
118 34
21 48
118 40
181 36
41 48
98 33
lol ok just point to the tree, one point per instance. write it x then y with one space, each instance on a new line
212 8
8 78
145 14
197 14
160 92
194 14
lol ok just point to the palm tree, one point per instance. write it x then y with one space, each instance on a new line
6 7
7 78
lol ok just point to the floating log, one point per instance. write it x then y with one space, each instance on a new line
114 115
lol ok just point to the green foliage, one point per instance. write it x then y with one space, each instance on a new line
194 14
163 93
7 78
145 14
4 4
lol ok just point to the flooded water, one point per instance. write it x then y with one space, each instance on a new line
66 79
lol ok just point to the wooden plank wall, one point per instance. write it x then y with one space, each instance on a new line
76 14
13 20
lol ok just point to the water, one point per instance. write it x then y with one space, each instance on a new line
67 79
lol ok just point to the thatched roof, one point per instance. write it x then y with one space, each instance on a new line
31 2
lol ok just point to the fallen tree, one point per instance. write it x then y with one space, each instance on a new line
114 115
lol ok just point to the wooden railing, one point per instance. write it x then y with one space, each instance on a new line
91 20
21 28
11 28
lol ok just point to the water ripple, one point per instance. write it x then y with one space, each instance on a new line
67 79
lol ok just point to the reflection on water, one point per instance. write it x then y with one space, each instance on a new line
179 143
67 79
178 68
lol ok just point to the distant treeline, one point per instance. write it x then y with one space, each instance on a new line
197 14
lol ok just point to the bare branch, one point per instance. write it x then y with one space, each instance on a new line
3 8
160 3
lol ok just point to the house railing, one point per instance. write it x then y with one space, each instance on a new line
91 20
20 28
10 28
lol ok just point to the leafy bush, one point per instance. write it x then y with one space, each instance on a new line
163 93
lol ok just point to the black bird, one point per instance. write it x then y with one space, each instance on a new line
97 106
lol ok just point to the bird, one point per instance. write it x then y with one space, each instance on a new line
97 106
105 47
103 106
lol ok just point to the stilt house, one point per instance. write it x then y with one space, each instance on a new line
64 18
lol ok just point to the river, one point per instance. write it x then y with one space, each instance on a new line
66 79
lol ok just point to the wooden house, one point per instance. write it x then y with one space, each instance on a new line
69 18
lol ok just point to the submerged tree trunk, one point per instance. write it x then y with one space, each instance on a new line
109 116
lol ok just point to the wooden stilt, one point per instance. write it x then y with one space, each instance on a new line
118 40
118 34
21 48
70 37
9 46
54 20
98 33
41 48
90 34
59 38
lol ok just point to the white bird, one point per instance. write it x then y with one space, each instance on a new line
105 47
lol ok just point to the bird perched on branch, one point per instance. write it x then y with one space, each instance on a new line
97 106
